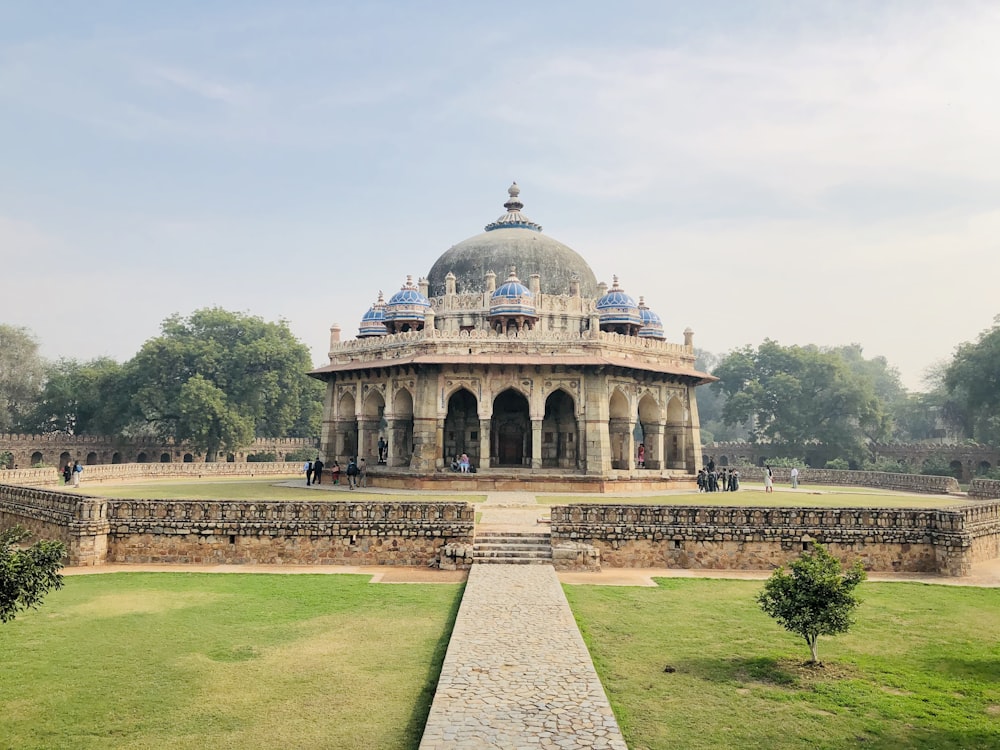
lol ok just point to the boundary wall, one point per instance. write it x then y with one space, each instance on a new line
984 489
98 530
52 477
880 480
734 538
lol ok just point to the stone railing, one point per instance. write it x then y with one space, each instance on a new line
885 539
984 489
918 483
79 522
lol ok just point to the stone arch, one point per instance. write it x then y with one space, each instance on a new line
141 458
400 429
510 431
983 468
37 458
560 435
723 460
116 457
164 458
461 427
373 424
230 458
346 426
648 433
956 469
675 449
65 458
91 458
188 458
620 429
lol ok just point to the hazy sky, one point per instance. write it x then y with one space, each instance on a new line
811 172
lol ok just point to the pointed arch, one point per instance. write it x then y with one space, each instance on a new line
461 427
510 432
560 433
620 430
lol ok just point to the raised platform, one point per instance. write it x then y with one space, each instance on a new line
531 480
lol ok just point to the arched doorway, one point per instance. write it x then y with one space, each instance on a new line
650 432
619 430
141 458
461 428
164 458
559 431
371 427
401 429
91 458
36 458
116 457
511 430
346 428
188 458
65 458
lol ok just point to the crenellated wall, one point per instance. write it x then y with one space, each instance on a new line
52 477
885 539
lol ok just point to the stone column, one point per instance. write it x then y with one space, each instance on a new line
693 433
361 438
594 435
536 443
484 443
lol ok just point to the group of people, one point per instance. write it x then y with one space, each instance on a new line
463 465
723 480
357 472
71 473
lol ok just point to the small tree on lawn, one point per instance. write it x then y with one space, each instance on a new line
815 598
27 575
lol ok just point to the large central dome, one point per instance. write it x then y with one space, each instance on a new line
513 240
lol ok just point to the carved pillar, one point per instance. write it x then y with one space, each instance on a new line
536 443
594 433
653 438
693 433
484 443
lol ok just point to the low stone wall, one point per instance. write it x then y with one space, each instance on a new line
51 477
876 479
885 539
287 533
78 522
984 489
97 530
519 480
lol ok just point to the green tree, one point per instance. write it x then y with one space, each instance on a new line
799 394
219 378
27 575
21 374
973 379
815 598
85 398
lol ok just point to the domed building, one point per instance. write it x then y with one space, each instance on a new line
550 378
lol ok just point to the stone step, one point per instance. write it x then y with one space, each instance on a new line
533 538
501 545
503 552
512 561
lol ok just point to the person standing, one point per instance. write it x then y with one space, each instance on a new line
317 471
768 479
77 471
363 471
335 471
383 450
795 477
641 463
352 474
67 473
307 468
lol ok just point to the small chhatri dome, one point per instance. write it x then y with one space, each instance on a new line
512 288
513 218
373 321
652 326
618 311
406 309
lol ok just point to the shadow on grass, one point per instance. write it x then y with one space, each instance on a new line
931 739
763 670
418 719
981 670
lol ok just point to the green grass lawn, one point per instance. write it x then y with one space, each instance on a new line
271 488
837 497
921 669
224 661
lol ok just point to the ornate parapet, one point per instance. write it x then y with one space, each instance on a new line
984 489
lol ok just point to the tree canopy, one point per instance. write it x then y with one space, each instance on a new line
973 380
816 597
27 575
22 372
216 379
796 394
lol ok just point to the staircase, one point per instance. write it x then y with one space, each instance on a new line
512 548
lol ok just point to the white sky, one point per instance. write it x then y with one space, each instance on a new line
812 172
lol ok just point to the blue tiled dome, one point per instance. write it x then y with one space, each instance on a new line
512 298
373 321
408 304
652 326
617 309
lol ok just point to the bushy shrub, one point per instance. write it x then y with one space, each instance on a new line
261 457
837 463
938 466
888 465
785 462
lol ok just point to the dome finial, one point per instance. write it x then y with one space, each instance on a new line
513 219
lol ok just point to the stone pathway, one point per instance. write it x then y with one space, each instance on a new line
517 673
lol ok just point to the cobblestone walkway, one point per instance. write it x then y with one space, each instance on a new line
517 673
